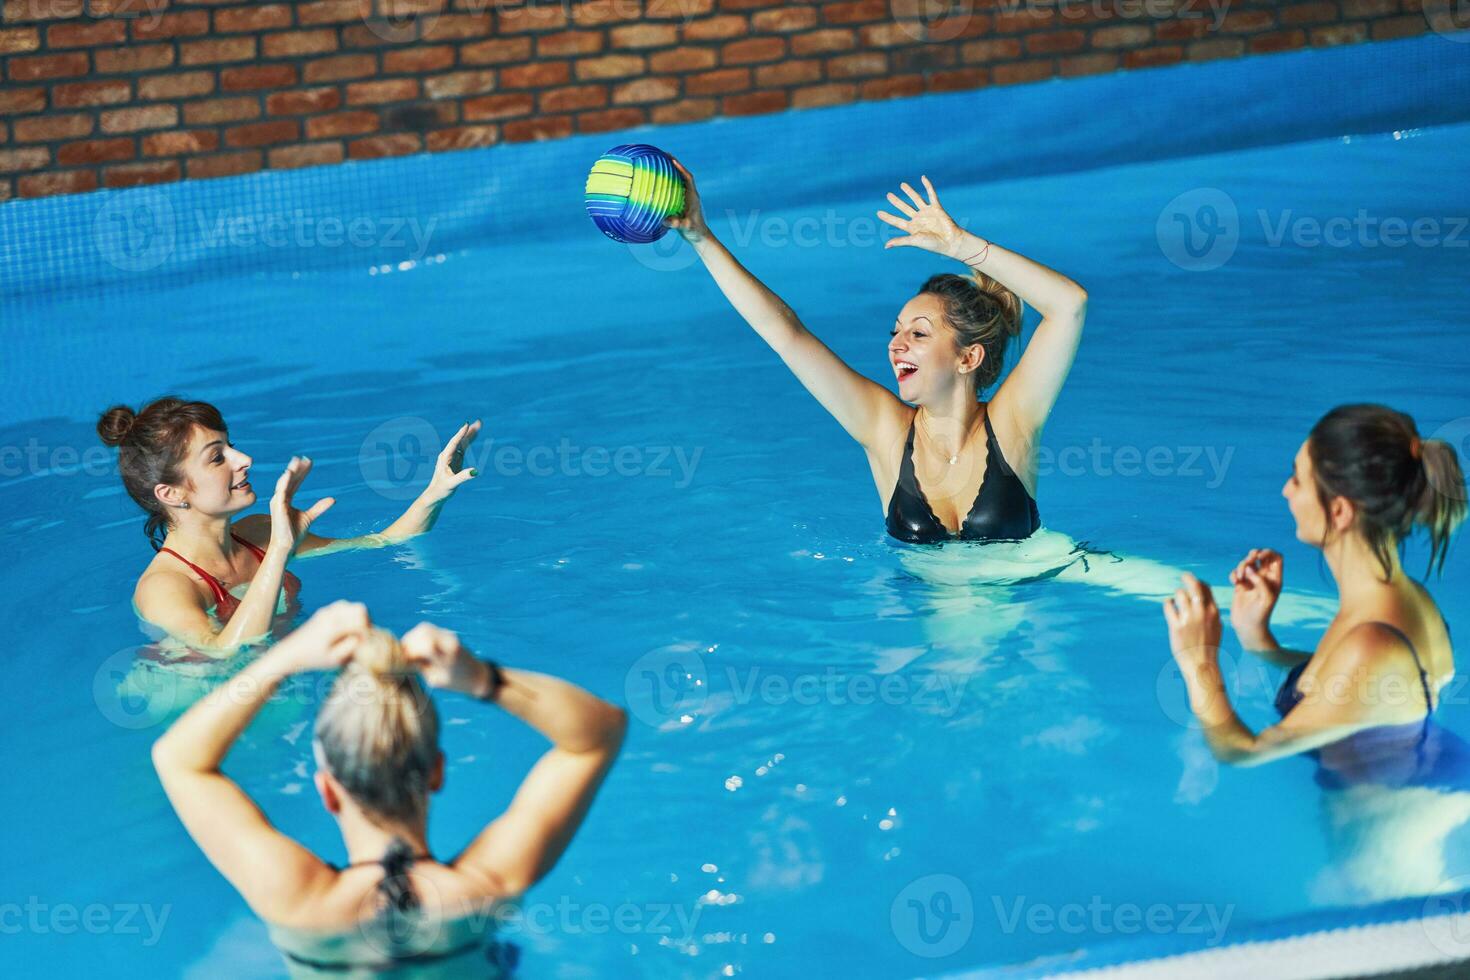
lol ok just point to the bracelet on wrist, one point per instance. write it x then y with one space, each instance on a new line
495 681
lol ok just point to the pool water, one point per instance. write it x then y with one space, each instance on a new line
846 756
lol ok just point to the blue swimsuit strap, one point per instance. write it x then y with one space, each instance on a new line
1423 674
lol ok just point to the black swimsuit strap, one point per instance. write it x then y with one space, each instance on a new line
1423 674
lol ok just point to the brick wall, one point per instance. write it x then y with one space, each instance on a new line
117 93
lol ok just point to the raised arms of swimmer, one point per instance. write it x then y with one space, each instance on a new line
1354 664
521 845
1032 387
449 475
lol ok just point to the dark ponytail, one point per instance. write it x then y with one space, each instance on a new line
151 447
396 888
1373 456
981 311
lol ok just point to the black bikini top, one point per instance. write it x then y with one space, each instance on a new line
1003 509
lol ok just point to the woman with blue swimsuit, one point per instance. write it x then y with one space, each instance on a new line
938 478
1360 484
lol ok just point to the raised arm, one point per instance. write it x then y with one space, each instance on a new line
170 601
271 871
860 405
1032 387
449 475
520 846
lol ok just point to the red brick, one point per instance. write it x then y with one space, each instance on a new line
753 103
333 12
374 147
1339 34
356 123
747 4
343 66
1018 72
564 43
225 164
178 86
852 12
135 58
605 120
302 101
212 111
685 110
682 59
17 100
923 59
44 129
459 83
784 20
309 155
19 40
138 174
537 17
858 65
463 138
496 51
753 49
30 158
389 90
1024 21
499 106
216 51
413 60
95 151
458 27
254 77
1121 36
291 43
983 52
257 17
682 10
596 13
1247 22
887 35
788 73
74 94
541 74
1278 41
609 66
537 128
643 36
898 86
1308 13
180 142
815 96
715 28
642 90
420 117
1055 42
573 98
39 66
718 82
57 182
959 80
86 34
817 42
1182 30
1353 9
188 23
1153 57
1088 64
138 118
263 133
23 10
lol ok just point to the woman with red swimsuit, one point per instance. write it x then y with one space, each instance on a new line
178 464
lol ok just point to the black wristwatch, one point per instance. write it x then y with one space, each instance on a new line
496 680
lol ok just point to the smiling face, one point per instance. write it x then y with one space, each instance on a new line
922 351
215 475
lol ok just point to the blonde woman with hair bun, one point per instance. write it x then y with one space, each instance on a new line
948 463
394 906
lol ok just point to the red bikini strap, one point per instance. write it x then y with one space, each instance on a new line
215 587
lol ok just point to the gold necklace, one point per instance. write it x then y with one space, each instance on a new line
929 438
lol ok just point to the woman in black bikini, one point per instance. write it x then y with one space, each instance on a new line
937 478
378 762
1360 484
178 464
